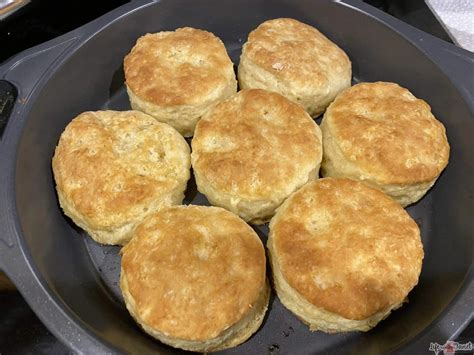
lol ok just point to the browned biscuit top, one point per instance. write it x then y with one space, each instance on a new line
193 271
390 134
296 53
256 144
346 247
177 68
109 165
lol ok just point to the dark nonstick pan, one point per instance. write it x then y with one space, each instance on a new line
71 282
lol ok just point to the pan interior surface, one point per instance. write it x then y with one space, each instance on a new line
83 276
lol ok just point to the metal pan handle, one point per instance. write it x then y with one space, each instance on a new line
20 75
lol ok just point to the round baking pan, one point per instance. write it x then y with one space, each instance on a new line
71 282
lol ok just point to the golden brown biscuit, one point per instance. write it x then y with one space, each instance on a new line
380 133
253 150
194 278
176 76
112 169
343 255
295 60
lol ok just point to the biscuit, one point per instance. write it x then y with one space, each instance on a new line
295 60
251 151
176 76
112 169
193 277
343 255
380 133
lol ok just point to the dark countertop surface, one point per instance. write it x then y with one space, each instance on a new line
21 332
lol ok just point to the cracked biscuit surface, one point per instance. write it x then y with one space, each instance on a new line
295 60
175 76
114 168
194 278
382 134
253 150
343 254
